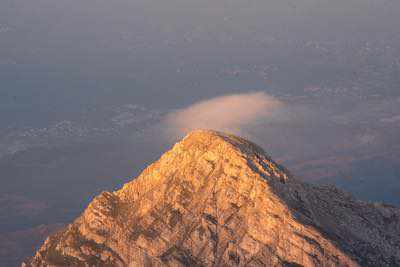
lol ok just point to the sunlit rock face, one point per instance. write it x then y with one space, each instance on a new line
218 200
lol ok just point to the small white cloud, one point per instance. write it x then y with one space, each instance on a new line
366 138
224 113
391 119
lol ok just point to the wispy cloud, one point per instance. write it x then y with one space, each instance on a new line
225 113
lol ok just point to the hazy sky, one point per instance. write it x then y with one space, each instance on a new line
93 91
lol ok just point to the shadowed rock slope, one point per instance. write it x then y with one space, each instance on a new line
218 200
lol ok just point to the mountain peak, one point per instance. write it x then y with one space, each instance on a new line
220 143
207 138
216 199
202 151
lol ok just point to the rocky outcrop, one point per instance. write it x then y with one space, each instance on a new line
218 200
16 245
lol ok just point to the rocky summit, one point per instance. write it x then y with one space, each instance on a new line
218 200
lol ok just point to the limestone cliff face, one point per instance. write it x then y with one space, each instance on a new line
218 200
